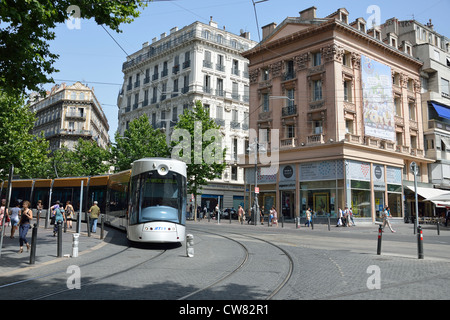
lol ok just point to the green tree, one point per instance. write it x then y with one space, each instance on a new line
64 163
17 146
140 140
93 159
197 140
26 29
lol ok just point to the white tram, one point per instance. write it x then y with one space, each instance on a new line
157 201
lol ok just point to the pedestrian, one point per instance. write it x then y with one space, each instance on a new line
94 213
39 207
250 215
15 219
4 213
339 216
52 210
69 214
344 217
261 214
350 214
308 217
24 225
386 218
274 216
59 216
447 216
240 214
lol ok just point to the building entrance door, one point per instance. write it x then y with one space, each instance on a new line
288 204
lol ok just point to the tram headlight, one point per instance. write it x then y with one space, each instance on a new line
163 170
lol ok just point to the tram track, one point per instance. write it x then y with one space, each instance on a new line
233 272
63 272
97 280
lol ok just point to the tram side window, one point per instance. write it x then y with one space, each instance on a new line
134 198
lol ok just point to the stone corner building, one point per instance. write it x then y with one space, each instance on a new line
346 102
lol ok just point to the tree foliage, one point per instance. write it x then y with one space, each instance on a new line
17 146
26 29
207 156
140 140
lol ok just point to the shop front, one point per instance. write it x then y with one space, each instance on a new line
371 187
321 187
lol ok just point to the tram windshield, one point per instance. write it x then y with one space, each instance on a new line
161 197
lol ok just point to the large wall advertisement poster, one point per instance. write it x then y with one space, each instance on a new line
378 100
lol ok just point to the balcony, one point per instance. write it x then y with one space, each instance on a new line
186 64
155 76
289 111
146 80
289 76
436 124
288 143
207 64
164 73
176 69
75 115
220 67
207 90
265 116
220 122
235 72
184 89
315 139
235 125
137 83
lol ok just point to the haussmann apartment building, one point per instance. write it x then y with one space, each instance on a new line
346 103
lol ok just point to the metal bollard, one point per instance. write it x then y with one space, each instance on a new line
59 246
312 223
33 244
420 242
296 222
438 227
380 233
88 223
75 241
329 222
190 245
102 226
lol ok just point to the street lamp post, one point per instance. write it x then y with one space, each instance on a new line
256 147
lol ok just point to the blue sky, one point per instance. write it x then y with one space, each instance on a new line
91 56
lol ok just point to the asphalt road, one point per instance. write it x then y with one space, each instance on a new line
245 263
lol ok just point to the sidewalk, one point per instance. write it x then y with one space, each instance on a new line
46 247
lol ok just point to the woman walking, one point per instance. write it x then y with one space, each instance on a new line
14 219
69 214
24 225
59 216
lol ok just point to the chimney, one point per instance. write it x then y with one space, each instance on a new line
308 14
212 23
245 35
268 29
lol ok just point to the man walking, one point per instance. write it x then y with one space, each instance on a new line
94 212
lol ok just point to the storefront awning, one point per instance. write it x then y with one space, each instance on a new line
442 110
439 197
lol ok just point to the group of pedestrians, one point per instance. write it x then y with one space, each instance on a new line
345 217
273 215
18 219
21 218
